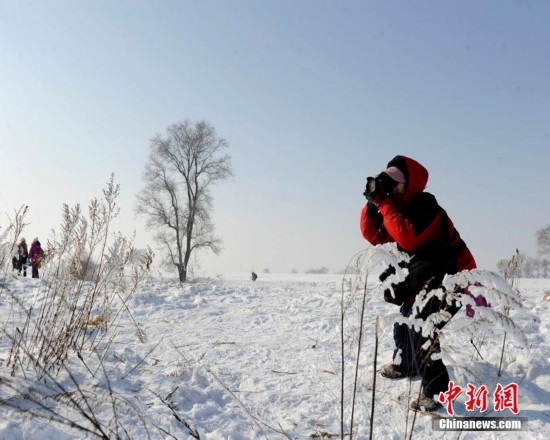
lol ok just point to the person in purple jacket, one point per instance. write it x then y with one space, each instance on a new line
35 255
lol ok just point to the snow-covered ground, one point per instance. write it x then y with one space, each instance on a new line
229 358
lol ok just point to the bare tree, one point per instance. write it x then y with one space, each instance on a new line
176 201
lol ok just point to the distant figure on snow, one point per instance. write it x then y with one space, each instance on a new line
35 256
398 210
19 262
254 276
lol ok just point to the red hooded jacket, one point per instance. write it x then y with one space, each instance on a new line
415 221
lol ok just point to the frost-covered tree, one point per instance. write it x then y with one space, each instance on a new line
530 267
543 241
182 166
322 270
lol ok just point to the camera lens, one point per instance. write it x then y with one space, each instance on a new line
371 185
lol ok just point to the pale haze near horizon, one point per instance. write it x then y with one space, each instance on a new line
312 97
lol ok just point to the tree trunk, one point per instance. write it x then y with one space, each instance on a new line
182 273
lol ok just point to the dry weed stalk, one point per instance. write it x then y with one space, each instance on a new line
514 268
89 276
173 409
9 238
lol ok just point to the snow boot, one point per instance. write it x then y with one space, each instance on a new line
425 404
392 371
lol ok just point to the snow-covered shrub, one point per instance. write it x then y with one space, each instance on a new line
475 324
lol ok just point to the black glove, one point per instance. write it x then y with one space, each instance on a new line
372 210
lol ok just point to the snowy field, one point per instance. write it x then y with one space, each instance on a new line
228 358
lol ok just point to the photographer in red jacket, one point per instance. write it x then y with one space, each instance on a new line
399 210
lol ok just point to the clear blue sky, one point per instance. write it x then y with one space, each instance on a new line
312 96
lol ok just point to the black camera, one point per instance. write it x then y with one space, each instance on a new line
381 184
371 186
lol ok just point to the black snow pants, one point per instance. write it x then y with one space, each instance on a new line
413 352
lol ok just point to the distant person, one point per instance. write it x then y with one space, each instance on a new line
19 262
35 256
398 210
254 276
